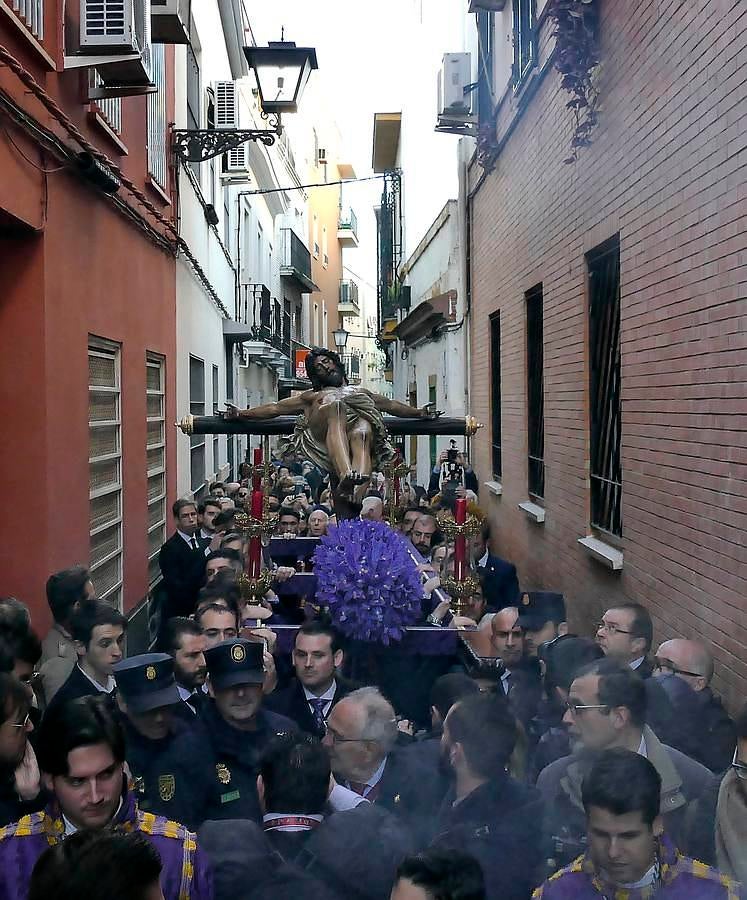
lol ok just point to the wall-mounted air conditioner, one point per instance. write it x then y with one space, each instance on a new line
227 118
169 21
114 38
454 98
487 5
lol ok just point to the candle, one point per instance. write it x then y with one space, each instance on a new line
255 543
460 544
395 491
257 476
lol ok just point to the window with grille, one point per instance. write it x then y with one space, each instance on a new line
432 440
325 247
535 394
524 18
158 118
197 441
485 79
194 94
495 397
604 386
105 470
110 108
216 438
155 450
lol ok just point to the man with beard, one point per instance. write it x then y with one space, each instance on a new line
340 428
169 758
487 813
81 751
20 791
238 728
184 641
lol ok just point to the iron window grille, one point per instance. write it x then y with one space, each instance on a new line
216 438
155 449
524 38
535 394
495 398
604 387
158 119
197 441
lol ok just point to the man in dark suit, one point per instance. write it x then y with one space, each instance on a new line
500 584
182 561
487 813
308 700
98 633
361 738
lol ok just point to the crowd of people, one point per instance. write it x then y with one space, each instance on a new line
229 764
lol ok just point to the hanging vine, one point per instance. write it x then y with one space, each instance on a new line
577 57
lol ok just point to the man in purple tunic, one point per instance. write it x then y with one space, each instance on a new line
81 753
629 857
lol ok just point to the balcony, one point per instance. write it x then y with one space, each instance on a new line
258 326
348 304
31 12
347 228
295 261
352 363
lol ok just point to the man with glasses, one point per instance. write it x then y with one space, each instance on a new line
685 669
625 634
20 790
606 708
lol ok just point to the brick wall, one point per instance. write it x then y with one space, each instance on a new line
668 171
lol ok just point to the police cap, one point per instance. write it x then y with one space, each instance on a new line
147 682
235 661
537 608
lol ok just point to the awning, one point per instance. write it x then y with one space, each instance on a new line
426 317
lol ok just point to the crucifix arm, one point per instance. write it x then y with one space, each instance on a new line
289 406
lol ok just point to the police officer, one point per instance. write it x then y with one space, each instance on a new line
238 728
171 762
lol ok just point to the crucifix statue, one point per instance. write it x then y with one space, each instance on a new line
340 427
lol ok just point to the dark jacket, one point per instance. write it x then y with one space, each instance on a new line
499 823
291 702
12 808
235 761
709 734
183 571
525 691
501 586
683 781
77 685
410 790
173 777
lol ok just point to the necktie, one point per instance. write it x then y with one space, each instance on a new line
194 543
317 708
358 786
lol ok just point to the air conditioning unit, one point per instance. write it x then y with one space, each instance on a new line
321 157
227 118
454 96
169 21
115 38
487 5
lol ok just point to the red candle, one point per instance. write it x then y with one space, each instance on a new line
257 476
255 543
395 491
460 544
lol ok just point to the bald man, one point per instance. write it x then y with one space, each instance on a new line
521 682
713 732
372 508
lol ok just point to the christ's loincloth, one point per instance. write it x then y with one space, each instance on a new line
357 406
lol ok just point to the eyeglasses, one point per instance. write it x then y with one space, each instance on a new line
662 664
739 768
339 739
23 724
575 708
611 628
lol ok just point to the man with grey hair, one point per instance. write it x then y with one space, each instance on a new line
372 509
361 739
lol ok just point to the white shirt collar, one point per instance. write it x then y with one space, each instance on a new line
483 560
636 662
642 751
208 535
71 829
649 878
328 695
376 777
186 537
110 683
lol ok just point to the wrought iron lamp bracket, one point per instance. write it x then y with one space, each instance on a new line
199 145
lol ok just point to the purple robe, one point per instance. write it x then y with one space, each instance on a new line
185 874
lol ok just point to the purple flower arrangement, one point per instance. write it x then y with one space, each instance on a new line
368 580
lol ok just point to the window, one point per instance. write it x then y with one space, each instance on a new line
325 257
216 438
413 400
315 235
495 399
109 108
432 440
105 469
524 16
158 119
197 441
485 77
315 326
535 395
155 450
227 221
193 98
604 386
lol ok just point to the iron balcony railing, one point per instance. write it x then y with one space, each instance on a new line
352 363
295 257
348 297
348 221
261 312
32 13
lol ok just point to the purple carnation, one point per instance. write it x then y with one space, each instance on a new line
368 580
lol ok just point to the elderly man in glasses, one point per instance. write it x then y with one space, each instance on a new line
685 669
625 634
606 708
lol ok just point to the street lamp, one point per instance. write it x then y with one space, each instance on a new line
282 71
341 337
